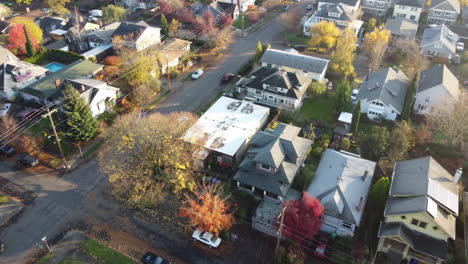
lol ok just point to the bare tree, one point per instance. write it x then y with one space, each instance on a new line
270 4
291 19
413 62
223 40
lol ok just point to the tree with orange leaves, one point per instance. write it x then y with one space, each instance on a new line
210 210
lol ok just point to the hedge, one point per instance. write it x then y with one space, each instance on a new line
55 55
445 151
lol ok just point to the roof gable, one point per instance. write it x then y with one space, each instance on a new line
294 61
439 76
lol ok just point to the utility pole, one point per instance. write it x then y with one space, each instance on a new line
242 17
280 231
49 114
168 74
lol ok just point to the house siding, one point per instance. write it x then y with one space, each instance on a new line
150 36
374 111
426 100
433 50
439 16
99 105
376 7
272 99
428 230
332 224
407 12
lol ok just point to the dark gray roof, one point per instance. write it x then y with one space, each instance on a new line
436 75
280 148
449 5
402 27
346 13
346 2
295 83
339 184
3 26
56 45
460 29
440 33
416 240
294 61
47 22
387 85
129 29
413 3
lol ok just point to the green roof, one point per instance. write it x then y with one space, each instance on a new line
45 87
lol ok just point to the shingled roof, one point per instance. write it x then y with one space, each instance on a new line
294 61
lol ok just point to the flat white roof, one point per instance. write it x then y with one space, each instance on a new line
97 50
345 117
227 125
58 32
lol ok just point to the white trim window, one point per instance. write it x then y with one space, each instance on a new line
438 45
414 9
449 14
401 7
437 13
371 3
380 4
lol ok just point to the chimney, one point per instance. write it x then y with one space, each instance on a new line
28 10
57 83
359 207
83 88
368 74
364 177
457 175
376 85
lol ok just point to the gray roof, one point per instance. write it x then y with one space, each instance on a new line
413 3
402 27
449 5
437 75
346 2
387 85
47 22
416 240
56 45
133 30
419 183
294 61
346 13
340 185
460 29
440 33
281 149
465 11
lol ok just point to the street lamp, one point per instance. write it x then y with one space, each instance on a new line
167 69
44 240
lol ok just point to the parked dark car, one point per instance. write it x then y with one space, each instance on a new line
150 258
27 161
7 151
300 48
227 77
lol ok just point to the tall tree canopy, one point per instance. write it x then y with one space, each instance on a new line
164 25
342 96
356 118
112 13
374 142
210 210
376 43
343 57
17 39
34 30
80 125
58 6
379 193
30 46
302 218
174 27
399 141
324 34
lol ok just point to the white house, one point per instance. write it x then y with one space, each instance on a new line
437 86
353 4
243 4
292 61
443 12
171 53
439 41
138 35
342 15
383 94
341 183
16 74
102 36
408 9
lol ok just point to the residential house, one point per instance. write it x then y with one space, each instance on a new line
4 25
16 74
99 53
60 45
383 94
243 5
138 35
408 9
43 90
402 28
99 96
172 52
143 4
439 41
58 34
420 213
353 4
48 24
273 160
224 131
376 7
292 61
443 12
102 36
218 9
275 87
342 15
437 86
341 183
76 36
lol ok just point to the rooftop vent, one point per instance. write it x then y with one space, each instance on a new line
248 109
376 85
364 177
233 106
360 205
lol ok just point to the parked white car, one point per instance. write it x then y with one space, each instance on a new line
91 18
197 73
206 238
4 109
354 96
460 46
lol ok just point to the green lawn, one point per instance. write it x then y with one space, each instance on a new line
70 261
464 70
3 199
238 22
93 149
294 39
45 259
319 108
104 253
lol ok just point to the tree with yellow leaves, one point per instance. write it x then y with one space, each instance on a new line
209 211
376 43
343 57
324 34
33 29
463 3
144 155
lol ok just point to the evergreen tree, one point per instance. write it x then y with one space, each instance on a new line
259 51
30 50
164 25
409 100
356 118
80 123
342 96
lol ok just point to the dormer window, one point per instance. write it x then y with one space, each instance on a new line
333 14
264 167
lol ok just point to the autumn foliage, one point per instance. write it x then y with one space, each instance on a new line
165 7
209 211
253 17
113 61
17 39
302 218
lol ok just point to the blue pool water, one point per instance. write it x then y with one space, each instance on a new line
54 66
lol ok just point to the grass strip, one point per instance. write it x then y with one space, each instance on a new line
158 100
104 253
93 149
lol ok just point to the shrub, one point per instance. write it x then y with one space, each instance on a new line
55 55
444 150
253 17
113 61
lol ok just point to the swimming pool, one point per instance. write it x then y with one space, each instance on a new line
54 66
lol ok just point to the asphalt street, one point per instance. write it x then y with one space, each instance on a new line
61 200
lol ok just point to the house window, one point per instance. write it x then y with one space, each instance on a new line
414 222
258 92
269 65
370 3
427 99
414 9
401 15
449 14
403 217
380 4
346 225
437 13
438 45
435 228
281 101
412 18
264 167
258 99
379 12
402 7
423 224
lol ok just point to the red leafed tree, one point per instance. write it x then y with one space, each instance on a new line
226 20
302 218
210 21
17 39
113 61
253 17
209 211
165 7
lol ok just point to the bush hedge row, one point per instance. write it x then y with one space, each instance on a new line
54 55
